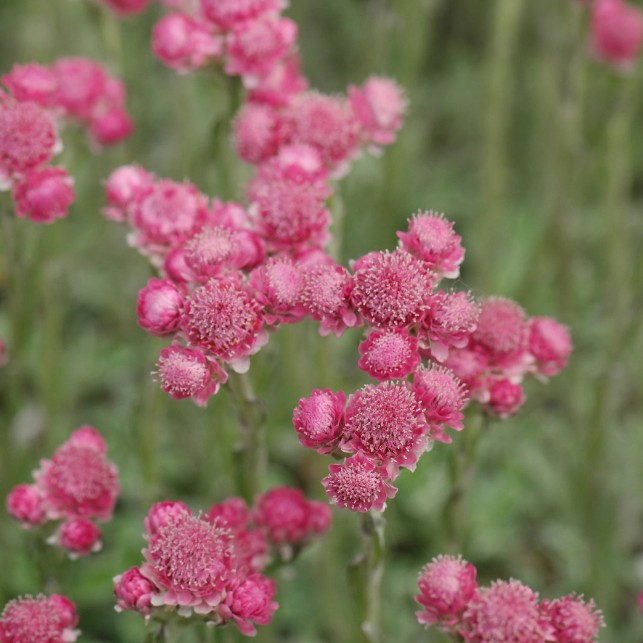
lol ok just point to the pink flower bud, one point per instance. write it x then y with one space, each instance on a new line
318 420
78 535
32 82
159 307
252 602
25 503
111 127
505 397
549 344
616 32
44 195
124 187
133 591
162 513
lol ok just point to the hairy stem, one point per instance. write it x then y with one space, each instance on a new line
366 573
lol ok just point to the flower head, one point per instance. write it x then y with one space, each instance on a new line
502 326
133 591
386 422
391 288
40 619
44 194
25 503
389 354
549 344
574 620
79 536
318 419
159 307
616 32
358 484
32 82
446 585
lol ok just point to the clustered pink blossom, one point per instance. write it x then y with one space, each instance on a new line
616 32
39 619
209 565
38 101
503 612
452 348
77 486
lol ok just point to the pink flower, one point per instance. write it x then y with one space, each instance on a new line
127 7
82 84
78 535
443 398
111 126
25 503
391 289
191 562
186 372
133 591
574 620
285 515
446 584
124 187
31 82
389 354
378 107
168 214
451 319
44 194
163 513
159 307
505 612
233 513
252 602
184 44
505 397
616 32
78 481
228 13
27 136
326 297
277 286
325 123
502 326
470 365
224 318
358 484
318 420
321 517
254 47
386 422
549 344
290 214
90 437
256 132
432 238
40 619
282 85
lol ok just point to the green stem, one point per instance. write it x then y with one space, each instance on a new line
462 466
251 451
366 573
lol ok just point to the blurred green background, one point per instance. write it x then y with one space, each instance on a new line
534 150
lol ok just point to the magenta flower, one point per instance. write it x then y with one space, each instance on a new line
616 32
133 591
32 82
25 503
386 423
574 620
79 536
502 327
318 420
389 354
159 307
256 133
358 484
446 585
505 397
40 619
549 344
44 194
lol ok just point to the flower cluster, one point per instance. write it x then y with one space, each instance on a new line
77 485
210 565
505 611
479 351
616 32
40 619
36 100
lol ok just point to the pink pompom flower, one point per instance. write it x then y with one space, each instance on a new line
389 354
159 307
124 187
184 43
251 602
163 513
431 237
505 397
386 422
32 82
111 126
502 327
133 591
44 194
187 372
256 132
39 619
446 585
318 420
505 612
358 484
574 620
549 344
379 107
616 32
391 289
228 13
79 536
286 516
25 503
